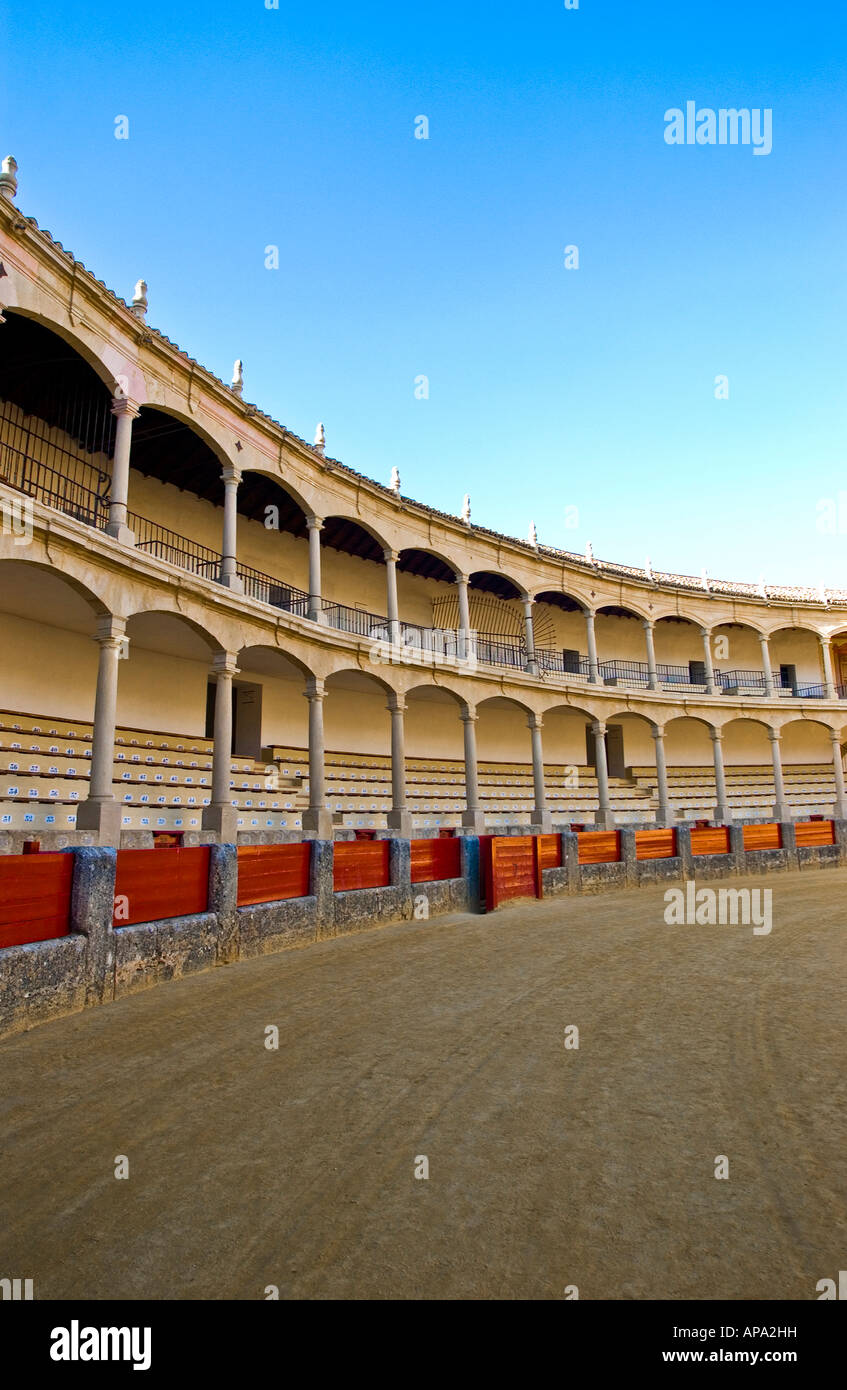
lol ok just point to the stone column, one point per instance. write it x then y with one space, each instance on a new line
101 812
826 662
766 665
315 525
125 411
531 663
317 821
464 616
722 812
711 682
221 816
664 816
652 673
399 817
781 809
604 817
840 811
542 818
473 816
391 558
229 559
593 672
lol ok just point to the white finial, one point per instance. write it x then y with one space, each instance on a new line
320 439
589 553
533 535
466 509
8 181
238 376
139 299
395 480
648 568
822 595
760 587
704 580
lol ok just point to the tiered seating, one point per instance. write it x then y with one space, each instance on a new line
163 781
809 789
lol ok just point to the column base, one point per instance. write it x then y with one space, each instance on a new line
120 533
664 818
400 820
233 582
782 811
317 825
224 821
605 820
475 821
103 818
531 668
723 815
542 822
317 615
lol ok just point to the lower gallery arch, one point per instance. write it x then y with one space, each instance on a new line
357 731
435 759
270 729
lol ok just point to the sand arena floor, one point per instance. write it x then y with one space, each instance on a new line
547 1167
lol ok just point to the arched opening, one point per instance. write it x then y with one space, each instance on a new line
57 432
357 735
680 662
737 658
620 646
558 623
435 766
504 753
796 663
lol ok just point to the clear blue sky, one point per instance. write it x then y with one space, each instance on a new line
549 388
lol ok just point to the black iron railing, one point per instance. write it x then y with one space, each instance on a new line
356 620
86 498
177 550
678 675
636 672
499 651
269 590
560 664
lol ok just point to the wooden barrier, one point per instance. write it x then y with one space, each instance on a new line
655 844
515 871
550 851
599 846
271 873
713 840
154 884
762 836
436 860
814 832
360 864
35 897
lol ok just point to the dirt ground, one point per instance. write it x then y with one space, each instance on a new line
548 1166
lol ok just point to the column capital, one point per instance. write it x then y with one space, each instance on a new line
231 473
315 689
657 731
648 624
763 638
225 664
835 736
824 639
705 633
314 523
715 734
598 726
124 405
535 721
468 714
589 614
396 704
390 555
109 629
774 735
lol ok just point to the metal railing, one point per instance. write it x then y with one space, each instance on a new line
177 550
636 672
558 664
274 591
64 494
678 675
500 651
356 620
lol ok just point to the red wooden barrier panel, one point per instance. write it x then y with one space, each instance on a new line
270 873
360 864
762 836
599 846
152 884
514 868
814 832
655 844
713 840
550 851
35 897
435 860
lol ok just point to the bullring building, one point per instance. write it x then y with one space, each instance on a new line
211 629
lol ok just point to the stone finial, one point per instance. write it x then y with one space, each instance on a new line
238 377
533 535
648 568
704 580
589 553
8 178
466 509
139 299
320 439
823 597
760 587
395 480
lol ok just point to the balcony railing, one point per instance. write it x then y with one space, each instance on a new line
177 550
356 621
269 590
494 650
633 672
65 494
677 675
559 664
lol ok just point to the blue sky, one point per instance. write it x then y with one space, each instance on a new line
549 388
